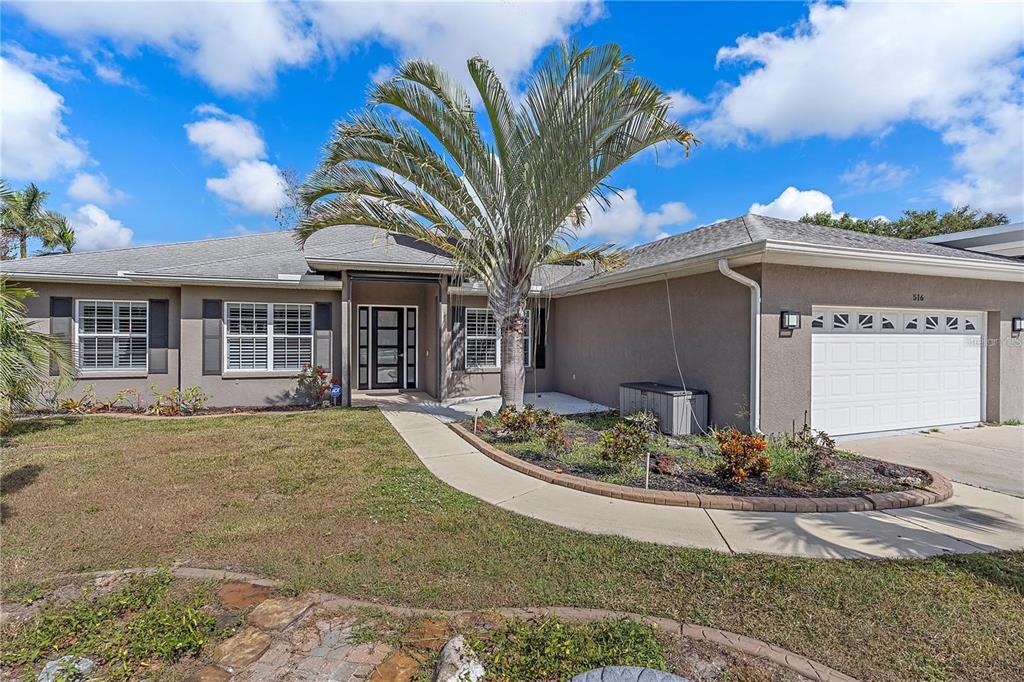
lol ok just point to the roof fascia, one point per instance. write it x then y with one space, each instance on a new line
845 258
337 264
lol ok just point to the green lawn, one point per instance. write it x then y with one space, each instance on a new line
336 501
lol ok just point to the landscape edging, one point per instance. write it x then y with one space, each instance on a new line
938 490
750 646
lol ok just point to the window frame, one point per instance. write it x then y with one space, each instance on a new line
527 339
269 335
79 335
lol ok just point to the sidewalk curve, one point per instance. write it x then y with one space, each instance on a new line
973 520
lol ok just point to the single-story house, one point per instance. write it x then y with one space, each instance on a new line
779 321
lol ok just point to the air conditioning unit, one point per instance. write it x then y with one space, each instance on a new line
680 411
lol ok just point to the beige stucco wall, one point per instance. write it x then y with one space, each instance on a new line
487 382
107 384
606 338
248 389
424 296
786 361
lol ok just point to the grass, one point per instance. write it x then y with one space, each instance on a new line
132 631
336 501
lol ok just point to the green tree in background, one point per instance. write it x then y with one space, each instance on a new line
913 224
25 356
23 215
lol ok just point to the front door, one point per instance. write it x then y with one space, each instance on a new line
387 347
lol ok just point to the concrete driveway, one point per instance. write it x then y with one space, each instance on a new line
989 457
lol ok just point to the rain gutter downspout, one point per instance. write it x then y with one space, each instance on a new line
755 341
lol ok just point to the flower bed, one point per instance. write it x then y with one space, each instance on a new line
600 453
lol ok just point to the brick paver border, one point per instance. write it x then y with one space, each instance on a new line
801 665
938 490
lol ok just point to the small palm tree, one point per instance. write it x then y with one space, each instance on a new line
503 203
23 215
25 356
60 237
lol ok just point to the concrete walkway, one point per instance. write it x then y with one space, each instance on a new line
973 520
990 457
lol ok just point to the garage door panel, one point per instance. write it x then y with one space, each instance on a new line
870 380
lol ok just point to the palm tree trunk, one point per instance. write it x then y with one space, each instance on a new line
513 373
23 240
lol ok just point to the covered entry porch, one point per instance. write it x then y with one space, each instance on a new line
394 333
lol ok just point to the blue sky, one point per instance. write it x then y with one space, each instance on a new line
172 121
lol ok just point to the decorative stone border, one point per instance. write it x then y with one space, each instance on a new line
800 665
938 490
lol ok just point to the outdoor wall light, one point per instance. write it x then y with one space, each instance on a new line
1017 324
789 321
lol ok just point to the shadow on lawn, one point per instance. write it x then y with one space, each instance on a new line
24 427
12 482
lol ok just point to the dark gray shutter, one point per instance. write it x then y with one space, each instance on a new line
458 319
212 352
159 337
322 335
60 326
539 338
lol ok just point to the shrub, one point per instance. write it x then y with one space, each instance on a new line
554 439
314 384
130 398
814 451
550 649
624 443
87 403
742 455
519 425
645 419
176 402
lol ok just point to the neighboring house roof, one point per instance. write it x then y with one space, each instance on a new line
275 258
1000 240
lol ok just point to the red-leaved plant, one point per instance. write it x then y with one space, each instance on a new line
742 455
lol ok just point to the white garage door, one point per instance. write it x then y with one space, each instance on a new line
881 370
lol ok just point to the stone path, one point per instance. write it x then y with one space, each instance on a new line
973 520
295 639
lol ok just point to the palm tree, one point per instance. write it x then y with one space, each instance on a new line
499 204
60 237
25 356
24 216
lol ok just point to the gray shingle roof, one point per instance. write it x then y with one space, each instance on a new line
372 245
267 255
704 242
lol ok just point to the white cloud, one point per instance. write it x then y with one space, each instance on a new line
95 229
239 47
225 137
382 73
508 34
878 176
251 186
94 188
681 103
861 68
59 69
235 47
34 140
794 204
625 221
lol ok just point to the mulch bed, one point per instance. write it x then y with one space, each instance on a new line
879 476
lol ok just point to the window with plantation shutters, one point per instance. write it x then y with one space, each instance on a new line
268 337
483 339
113 335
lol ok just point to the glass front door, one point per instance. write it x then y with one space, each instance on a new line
388 347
